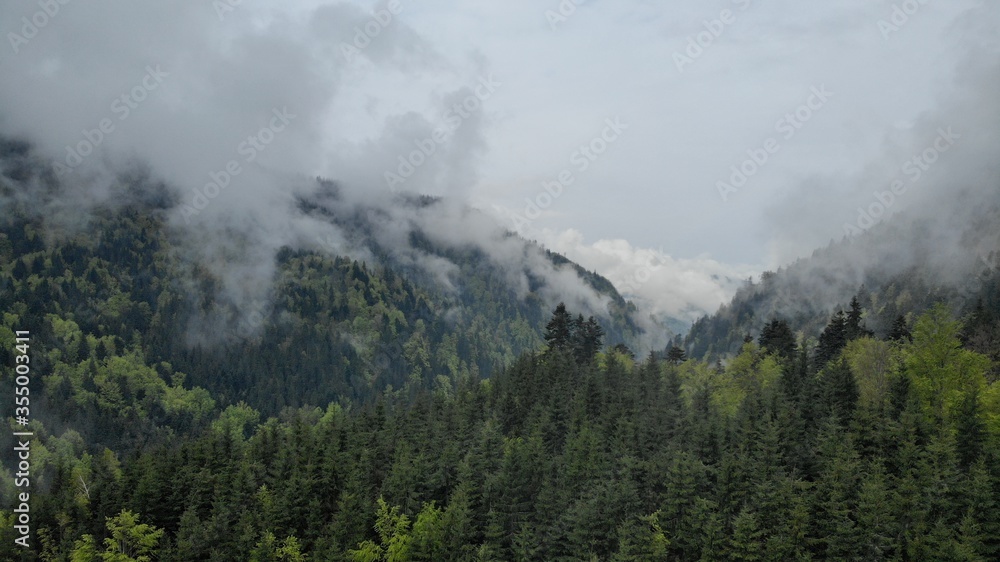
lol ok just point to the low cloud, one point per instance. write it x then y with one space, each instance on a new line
666 287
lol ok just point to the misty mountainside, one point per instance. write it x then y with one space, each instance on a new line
130 306
391 382
897 268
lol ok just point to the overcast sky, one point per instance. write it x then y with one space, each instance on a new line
672 95
656 186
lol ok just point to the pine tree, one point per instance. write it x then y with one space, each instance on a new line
712 538
641 539
981 506
589 338
836 493
899 331
941 370
972 429
832 340
777 338
394 543
270 550
840 390
559 330
854 327
129 541
676 355
747 540
623 350
875 524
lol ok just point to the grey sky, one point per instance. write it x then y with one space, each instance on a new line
647 212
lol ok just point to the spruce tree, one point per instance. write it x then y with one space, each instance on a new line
854 326
676 355
899 331
559 330
589 338
777 338
832 340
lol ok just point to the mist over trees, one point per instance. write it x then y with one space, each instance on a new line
524 435
366 411
376 281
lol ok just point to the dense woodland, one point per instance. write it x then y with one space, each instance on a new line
365 416
861 449
896 269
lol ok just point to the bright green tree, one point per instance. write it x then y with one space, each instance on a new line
130 541
941 370
269 550
395 541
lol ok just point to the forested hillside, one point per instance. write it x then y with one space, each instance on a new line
898 268
864 449
369 410
119 281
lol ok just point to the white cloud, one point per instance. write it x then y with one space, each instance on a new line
354 120
683 289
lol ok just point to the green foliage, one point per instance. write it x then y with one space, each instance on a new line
777 337
641 538
563 458
942 372
874 364
270 550
129 541
216 449
394 539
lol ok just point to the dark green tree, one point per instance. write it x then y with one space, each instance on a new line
676 355
900 331
854 326
559 330
832 340
777 338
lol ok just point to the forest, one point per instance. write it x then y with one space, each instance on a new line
365 415
858 448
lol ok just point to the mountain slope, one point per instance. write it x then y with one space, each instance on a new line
898 268
124 304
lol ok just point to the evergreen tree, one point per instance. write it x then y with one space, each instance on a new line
832 340
676 355
777 338
20 270
899 331
641 539
854 326
840 390
875 524
559 330
623 350
589 338
129 541
972 429
747 540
